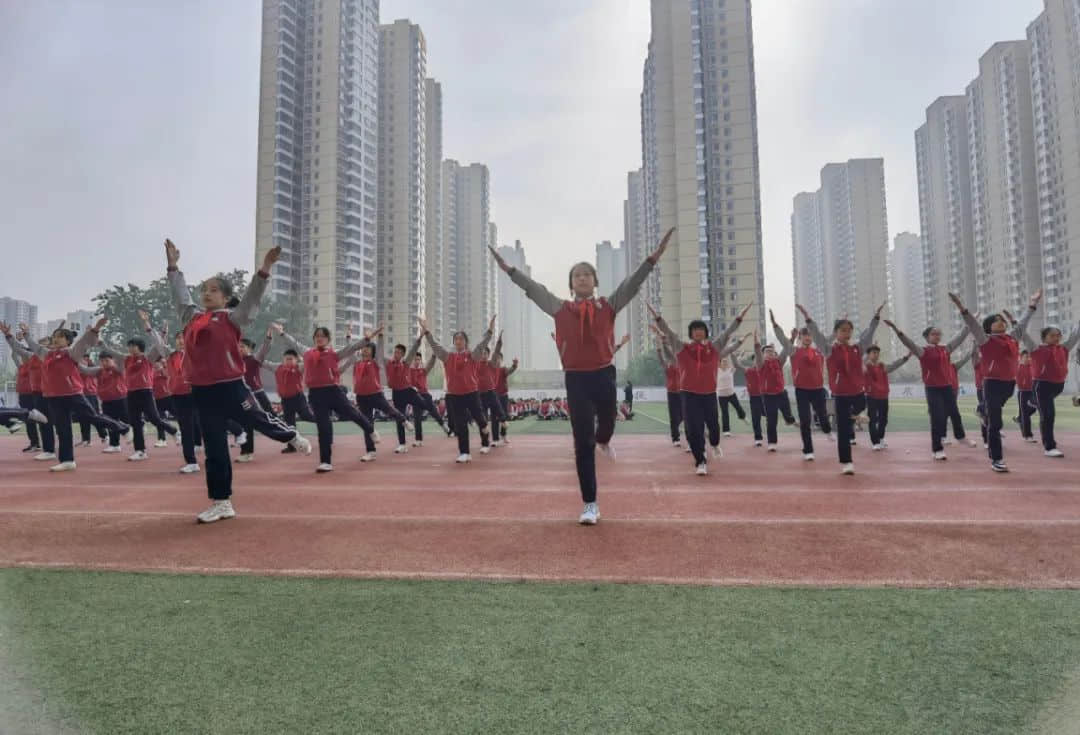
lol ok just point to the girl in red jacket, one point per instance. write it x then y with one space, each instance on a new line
698 361
770 368
1049 370
999 353
585 338
876 376
215 369
90 390
674 387
368 389
1025 396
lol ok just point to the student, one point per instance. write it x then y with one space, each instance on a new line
585 339
322 374
489 400
216 371
954 416
999 351
770 367
674 387
139 377
369 390
183 404
725 395
289 377
752 378
980 397
808 375
1025 396
699 360
25 392
112 390
462 387
418 379
1049 371
934 359
12 418
502 389
253 361
37 398
62 387
90 391
403 395
876 386
628 389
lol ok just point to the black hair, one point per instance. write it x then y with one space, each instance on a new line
105 353
926 332
1047 330
325 332
226 288
592 269
697 324
179 334
292 352
69 334
1023 352
248 342
873 348
840 323
140 343
463 334
400 347
988 322
805 331
417 354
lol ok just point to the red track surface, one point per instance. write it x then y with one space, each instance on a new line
757 519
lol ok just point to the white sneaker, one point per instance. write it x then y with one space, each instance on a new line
808 457
325 467
38 416
300 444
418 443
189 468
590 515
110 449
676 443
1054 453
985 445
161 443
884 444
62 467
83 444
608 450
485 450
1031 440
45 456
506 440
464 458
972 443
999 466
757 442
702 469
717 452
831 436
727 433
848 469
947 442
401 449
242 439
137 457
368 457
497 443
772 447
375 437
940 456
219 511
687 449
246 458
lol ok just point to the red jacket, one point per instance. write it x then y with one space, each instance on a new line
1000 357
772 378
138 372
1050 363
60 375
585 334
418 379
876 381
212 344
397 375
502 381
936 366
365 376
753 381
806 368
461 374
1023 376
35 374
161 385
846 370
698 363
89 383
290 381
176 367
321 367
22 378
111 384
253 373
485 376
671 375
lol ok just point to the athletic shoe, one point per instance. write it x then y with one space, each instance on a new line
1076 400
38 416
300 444
497 443
464 458
288 449
985 445
854 442
325 467
848 469
608 450
45 456
485 450
808 457
727 433
831 436
940 456
137 456
947 441
1016 420
702 469
219 511
1054 453
999 466
418 443
240 440
676 443
368 457
757 442
972 443
32 448
506 439
161 443
245 458
772 447
717 452
590 515
790 422
884 444
687 448
62 467
375 437
401 449
189 469
1031 440
110 449
876 447
84 444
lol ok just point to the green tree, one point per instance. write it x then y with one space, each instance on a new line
645 369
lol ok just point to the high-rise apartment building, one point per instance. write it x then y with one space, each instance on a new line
318 155
808 264
14 312
700 156
1055 88
435 280
907 292
611 264
468 268
402 176
636 247
942 158
1004 183
516 311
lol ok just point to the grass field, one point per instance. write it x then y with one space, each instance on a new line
131 653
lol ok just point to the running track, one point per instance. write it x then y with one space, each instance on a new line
757 519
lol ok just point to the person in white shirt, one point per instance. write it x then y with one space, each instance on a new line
725 394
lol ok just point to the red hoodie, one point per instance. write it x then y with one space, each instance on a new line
213 343
161 385
1023 376
753 382
111 384
178 382
60 375
89 383
1000 356
485 376
502 381
35 374
772 377
418 379
321 367
290 381
671 376
461 374
365 377
876 381
22 379
397 375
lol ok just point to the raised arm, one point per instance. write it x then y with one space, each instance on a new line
157 346
497 352
622 343
16 347
437 350
867 337
264 348
1073 339
89 369
548 302
629 287
733 346
86 340
722 340
674 344
959 339
759 354
904 339
963 361
245 311
1033 305
513 368
430 364
289 339
412 351
778 330
181 295
897 364
482 345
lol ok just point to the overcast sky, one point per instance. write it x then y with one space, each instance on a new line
125 121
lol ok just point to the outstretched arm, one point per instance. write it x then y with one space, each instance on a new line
622 343
478 351
412 351
778 330
17 348
245 311
897 364
86 340
759 355
905 340
962 361
867 337
972 323
264 348
548 302
1033 305
1073 339
436 349
734 346
513 368
722 340
181 295
289 339
89 369
497 352
959 339
629 287
430 364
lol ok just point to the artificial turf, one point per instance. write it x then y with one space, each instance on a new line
141 653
